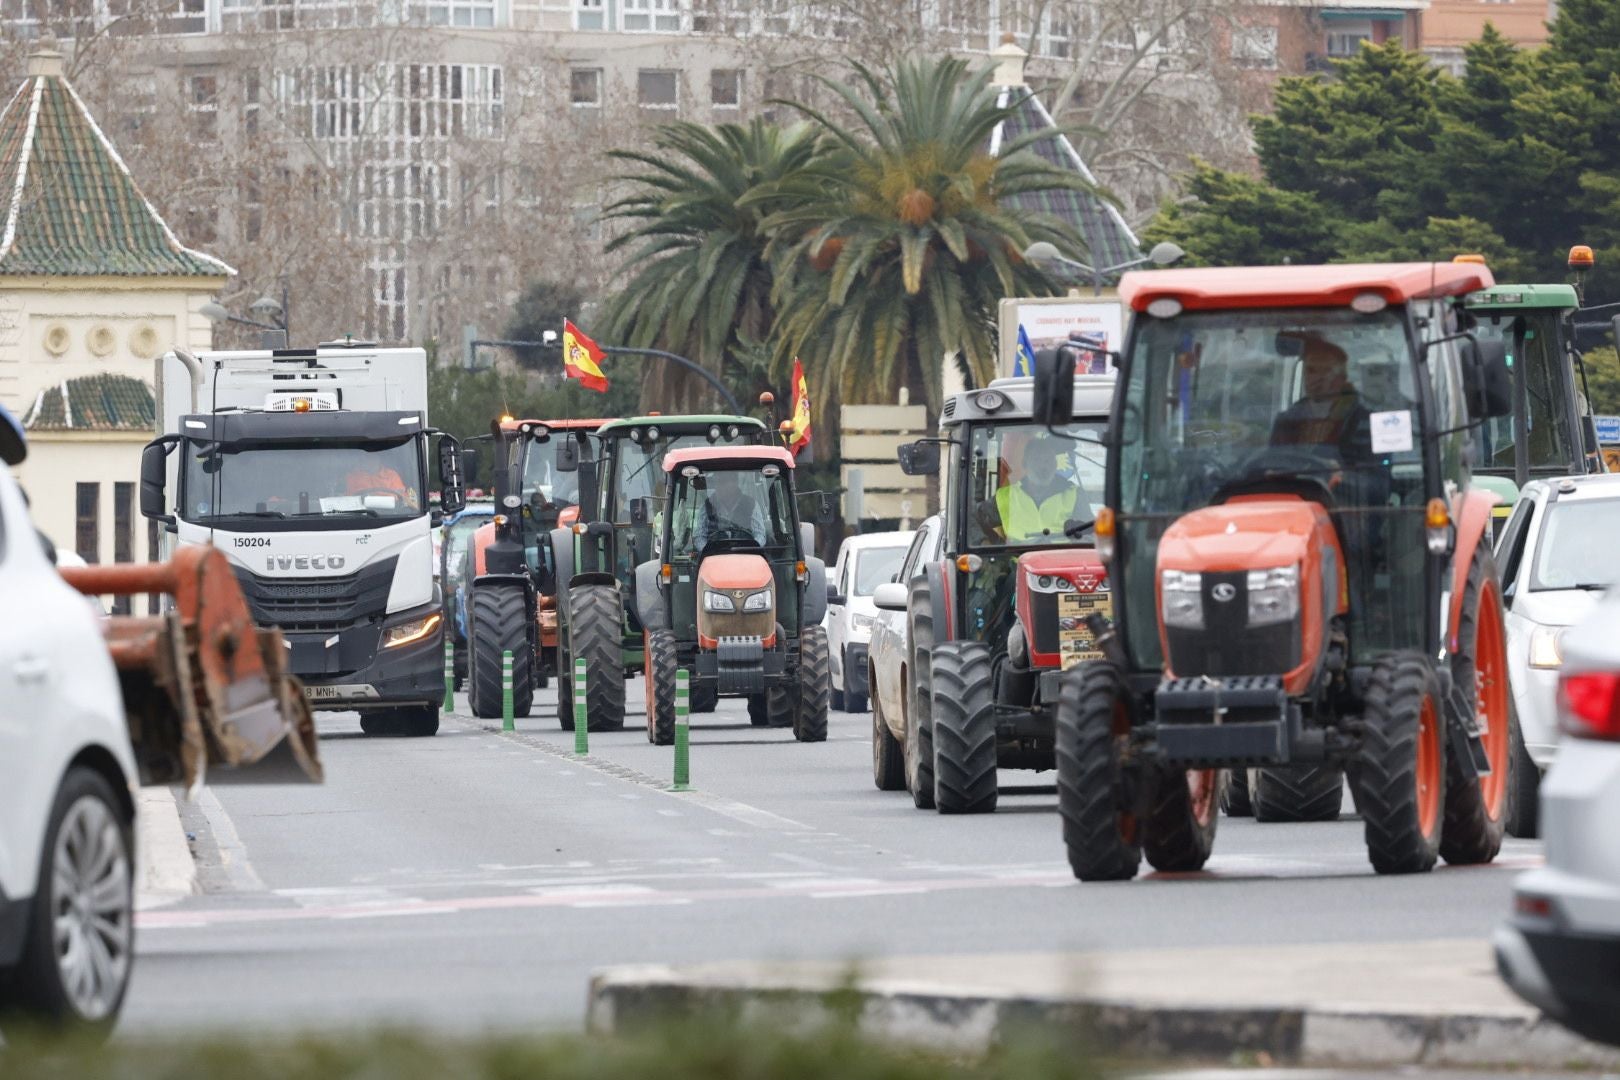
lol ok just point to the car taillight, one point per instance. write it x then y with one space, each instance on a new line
1590 705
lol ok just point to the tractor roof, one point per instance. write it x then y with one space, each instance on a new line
683 420
727 455
1092 396
1524 297
555 425
1214 289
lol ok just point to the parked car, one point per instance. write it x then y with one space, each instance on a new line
67 814
897 760
864 563
1555 558
1561 949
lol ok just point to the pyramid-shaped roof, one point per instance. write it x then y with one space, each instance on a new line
1109 241
104 402
71 206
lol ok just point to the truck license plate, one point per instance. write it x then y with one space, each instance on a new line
323 693
1077 644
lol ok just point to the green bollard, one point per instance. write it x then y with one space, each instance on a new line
449 674
582 735
506 691
683 746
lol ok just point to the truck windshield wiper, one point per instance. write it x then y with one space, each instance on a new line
365 511
249 514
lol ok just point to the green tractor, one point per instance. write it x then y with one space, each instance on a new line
596 617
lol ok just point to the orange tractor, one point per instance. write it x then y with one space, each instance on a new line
1299 563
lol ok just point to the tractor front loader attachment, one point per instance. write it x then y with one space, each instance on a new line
203 685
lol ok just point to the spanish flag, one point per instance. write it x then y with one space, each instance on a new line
799 426
582 359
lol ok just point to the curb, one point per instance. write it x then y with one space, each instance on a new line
166 872
939 1017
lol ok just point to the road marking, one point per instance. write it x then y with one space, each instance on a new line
233 854
670 813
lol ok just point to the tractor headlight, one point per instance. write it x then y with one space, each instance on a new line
1183 599
760 601
717 601
1273 595
1545 651
415 630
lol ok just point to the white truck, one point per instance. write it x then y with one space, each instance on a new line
308 468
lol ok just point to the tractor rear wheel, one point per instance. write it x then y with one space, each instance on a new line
1296 793
1235 800
964 729
565 693
811 686
596 632
662 665
499 622
888 756
919 744
1400 771
1477 809
1093 721
1179 832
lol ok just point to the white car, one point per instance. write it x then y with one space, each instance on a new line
67 810
864 563
898 758
1554 559
1561 949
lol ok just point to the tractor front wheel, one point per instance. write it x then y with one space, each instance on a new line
1296 793
662 664
1093 722
596 634
759 710
499 622
1477 810
705 698
1400 770
964 729
812 686
1179 832
1235 799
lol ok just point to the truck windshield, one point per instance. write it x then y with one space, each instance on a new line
1027 485
1548 371
741 507
540 472
307 481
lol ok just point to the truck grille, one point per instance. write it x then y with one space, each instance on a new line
323 603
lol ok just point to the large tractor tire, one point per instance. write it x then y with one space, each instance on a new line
919 744
663 663
1400 770
1296 793
964 729
595 634
812 686
1093 719
888 755
498 621
1477 811
1524 817
1179 832
1235 799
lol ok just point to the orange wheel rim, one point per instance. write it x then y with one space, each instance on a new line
1491 699
1428 774
1202 784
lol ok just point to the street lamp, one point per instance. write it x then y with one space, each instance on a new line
272 314
1164 253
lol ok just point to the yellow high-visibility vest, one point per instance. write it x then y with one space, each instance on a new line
1022 517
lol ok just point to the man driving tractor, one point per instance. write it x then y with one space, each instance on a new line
1041 502
1331 413
727 512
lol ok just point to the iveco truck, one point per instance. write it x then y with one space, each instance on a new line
309 469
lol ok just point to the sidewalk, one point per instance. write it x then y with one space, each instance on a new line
165 870
1430 1003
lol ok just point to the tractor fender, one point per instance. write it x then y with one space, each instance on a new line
939 595
814 605
652 606
562 560
1472 512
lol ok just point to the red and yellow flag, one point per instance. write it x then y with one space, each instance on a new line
582 359
799 426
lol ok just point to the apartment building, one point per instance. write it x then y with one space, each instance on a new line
1448 25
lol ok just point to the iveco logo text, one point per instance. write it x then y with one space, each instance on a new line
1224 591
305 562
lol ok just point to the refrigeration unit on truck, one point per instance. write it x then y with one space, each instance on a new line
308 468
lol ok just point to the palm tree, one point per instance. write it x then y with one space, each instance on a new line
698 281
895 245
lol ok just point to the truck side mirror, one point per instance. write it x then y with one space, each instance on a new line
154 478
452 493
1054 386
1487 380
920 458
640 511
469 466
567 453
826 510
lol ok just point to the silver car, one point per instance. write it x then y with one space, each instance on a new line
1561 949
1555 557
889 661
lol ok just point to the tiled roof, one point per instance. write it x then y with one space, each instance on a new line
72 207
1109 241
94 403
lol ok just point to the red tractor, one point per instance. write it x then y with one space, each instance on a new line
1299 566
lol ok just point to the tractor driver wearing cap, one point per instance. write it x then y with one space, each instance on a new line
1040 503
1331 413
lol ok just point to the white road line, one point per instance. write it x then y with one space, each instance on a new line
670 813
233 855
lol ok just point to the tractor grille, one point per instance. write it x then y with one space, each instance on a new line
1227 645
1043 610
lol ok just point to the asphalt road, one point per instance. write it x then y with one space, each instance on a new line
475 880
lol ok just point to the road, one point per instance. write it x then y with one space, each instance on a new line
475 880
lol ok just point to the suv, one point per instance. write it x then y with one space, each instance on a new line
67 816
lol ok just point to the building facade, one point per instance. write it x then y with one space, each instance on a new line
1448 25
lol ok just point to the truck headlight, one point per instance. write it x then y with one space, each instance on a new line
1545 650
717 601
760 601
415 630
1183 593
1273 595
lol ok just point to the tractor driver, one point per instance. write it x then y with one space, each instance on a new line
1040 504
1331 413
728 513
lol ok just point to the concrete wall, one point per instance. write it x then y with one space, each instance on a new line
59 461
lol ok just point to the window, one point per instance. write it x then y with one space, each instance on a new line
1346 37
123 534
585 87
725 88
590 15
250 103
202 106
658 89
652 15
479 13
87 521
1255 46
